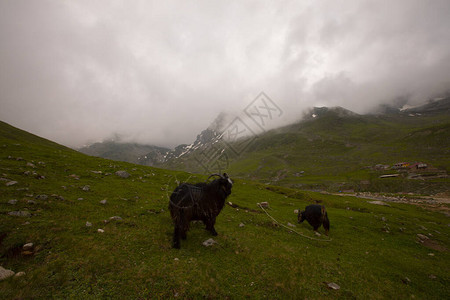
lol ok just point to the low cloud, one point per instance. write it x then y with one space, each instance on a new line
160 72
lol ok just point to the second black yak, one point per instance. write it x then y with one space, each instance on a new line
316 215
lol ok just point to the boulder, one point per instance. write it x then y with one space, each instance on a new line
19 213
264 204
19 274
42 197
333 286
209 242
422 237
4 273
28 246
122 174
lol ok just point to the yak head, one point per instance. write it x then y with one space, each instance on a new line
224 182
301 216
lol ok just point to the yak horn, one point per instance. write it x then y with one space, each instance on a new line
215 174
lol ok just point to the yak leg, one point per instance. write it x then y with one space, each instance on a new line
176 237
316 225
183 234
210 225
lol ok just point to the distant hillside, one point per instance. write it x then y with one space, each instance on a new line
145 155
330 148
335 148
437 106
434 106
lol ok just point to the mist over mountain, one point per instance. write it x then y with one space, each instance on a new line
146 155
335 125
160 72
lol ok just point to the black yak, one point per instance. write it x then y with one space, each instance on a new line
201 201
316 215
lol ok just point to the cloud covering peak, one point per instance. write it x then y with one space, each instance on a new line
159 72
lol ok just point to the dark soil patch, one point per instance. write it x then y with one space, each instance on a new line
432 244
13 252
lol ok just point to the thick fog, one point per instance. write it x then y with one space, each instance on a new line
158 72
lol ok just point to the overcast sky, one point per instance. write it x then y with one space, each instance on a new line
159 72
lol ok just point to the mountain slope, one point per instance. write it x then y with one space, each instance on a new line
145 155
52 197
333 148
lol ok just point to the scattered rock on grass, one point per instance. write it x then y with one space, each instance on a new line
19 213
122 174
116 218
19 274
100 230
88 224
103 201
58 197
10 183
241 225
4 273
28 247
86 188
12 201
263 204
422 237
333 286
209 242
42 197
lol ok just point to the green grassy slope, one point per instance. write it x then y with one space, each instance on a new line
337 150
374 251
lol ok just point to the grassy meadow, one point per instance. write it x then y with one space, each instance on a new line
398 251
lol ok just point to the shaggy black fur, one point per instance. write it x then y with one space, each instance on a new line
316 215
201 201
